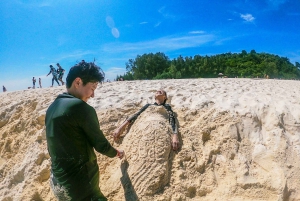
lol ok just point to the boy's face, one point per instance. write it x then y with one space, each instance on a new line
85 92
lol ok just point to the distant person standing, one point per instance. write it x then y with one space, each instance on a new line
61 73
40 82
33 82
54 74
4 89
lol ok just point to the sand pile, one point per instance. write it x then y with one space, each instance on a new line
240 141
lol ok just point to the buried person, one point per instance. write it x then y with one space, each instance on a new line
148 145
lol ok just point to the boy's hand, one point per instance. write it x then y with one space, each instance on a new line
175 142
120 154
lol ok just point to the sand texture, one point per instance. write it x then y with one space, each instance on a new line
240 141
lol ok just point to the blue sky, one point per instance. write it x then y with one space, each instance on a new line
37 33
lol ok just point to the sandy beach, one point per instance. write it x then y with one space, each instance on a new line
240 141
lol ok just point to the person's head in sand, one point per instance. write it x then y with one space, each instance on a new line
83 80
160 97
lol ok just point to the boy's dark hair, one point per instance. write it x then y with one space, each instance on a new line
87 71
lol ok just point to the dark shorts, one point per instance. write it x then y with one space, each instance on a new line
62 194
60 76
59 191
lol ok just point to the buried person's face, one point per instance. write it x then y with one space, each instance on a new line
160 95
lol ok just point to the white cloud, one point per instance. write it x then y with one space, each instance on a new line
165 14
221 41
157 24
197 32
165 44
247 17
77 54
112 72
144 23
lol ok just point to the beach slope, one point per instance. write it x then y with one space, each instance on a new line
240 141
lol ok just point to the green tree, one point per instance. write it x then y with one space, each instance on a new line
253 64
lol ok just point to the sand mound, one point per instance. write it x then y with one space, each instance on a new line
240 141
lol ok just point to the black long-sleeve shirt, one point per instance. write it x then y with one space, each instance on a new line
73 132
172 120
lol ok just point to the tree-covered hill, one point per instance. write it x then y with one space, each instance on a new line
249 65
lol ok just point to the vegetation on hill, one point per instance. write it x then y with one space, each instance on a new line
248 65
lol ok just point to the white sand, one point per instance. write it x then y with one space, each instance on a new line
240 141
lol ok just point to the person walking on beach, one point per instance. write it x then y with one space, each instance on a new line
33 82
54 74
4 89
61 73
40 82
160 100
72 133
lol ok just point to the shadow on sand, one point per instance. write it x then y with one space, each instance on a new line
129 192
